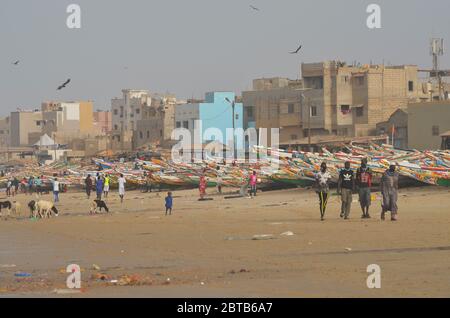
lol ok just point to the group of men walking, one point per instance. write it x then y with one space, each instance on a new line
361 182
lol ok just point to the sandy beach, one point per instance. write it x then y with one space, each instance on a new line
207 249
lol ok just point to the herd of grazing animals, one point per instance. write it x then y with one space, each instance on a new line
44 209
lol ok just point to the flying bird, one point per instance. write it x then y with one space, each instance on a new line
298 50
16 62
64 85
254 8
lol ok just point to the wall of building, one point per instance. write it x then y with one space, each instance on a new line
398 121
23 126
370 92
215 112
102 122
5 136
426 122
86 117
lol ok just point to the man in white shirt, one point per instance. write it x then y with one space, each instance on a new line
56 190
122 183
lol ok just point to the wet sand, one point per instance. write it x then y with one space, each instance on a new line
205 249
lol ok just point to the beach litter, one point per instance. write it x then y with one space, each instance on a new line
98 276
263 237
348 249
7 266
22 274
96 267
288 233
67 291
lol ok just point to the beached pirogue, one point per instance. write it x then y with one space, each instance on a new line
279 169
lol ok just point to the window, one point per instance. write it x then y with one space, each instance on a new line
141 135
359 111
359 80
435 130
178 124
138 111
148 134
38 123
411 86
313 111
294 137
344 79
186 124
160 132
250 112
290 108
345 109
116 127
116 112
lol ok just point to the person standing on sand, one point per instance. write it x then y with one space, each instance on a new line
106 186
122 181
15 184
364 183
8 187
38 183
346 186
389 191
323 188
88 184
30 185
99 187
169 203
253 182
202 186
56 190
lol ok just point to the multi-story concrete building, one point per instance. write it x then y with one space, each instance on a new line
215 112
332 99
26 128
158 122
102 122
5 127
275 108
64 121
126 112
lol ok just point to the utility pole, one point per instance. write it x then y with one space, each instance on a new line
309 125
303 98
233 104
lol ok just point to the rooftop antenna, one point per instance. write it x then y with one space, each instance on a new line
437 50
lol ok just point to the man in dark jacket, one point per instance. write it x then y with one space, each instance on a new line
88 183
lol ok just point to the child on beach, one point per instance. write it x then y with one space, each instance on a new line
253 182
169 203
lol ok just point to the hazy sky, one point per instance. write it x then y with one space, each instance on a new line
189 47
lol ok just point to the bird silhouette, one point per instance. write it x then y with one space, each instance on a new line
16 62
298 50
64 85
254 8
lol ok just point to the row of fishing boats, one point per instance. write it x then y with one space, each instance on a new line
275 168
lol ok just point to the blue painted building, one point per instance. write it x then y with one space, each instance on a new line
215 114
